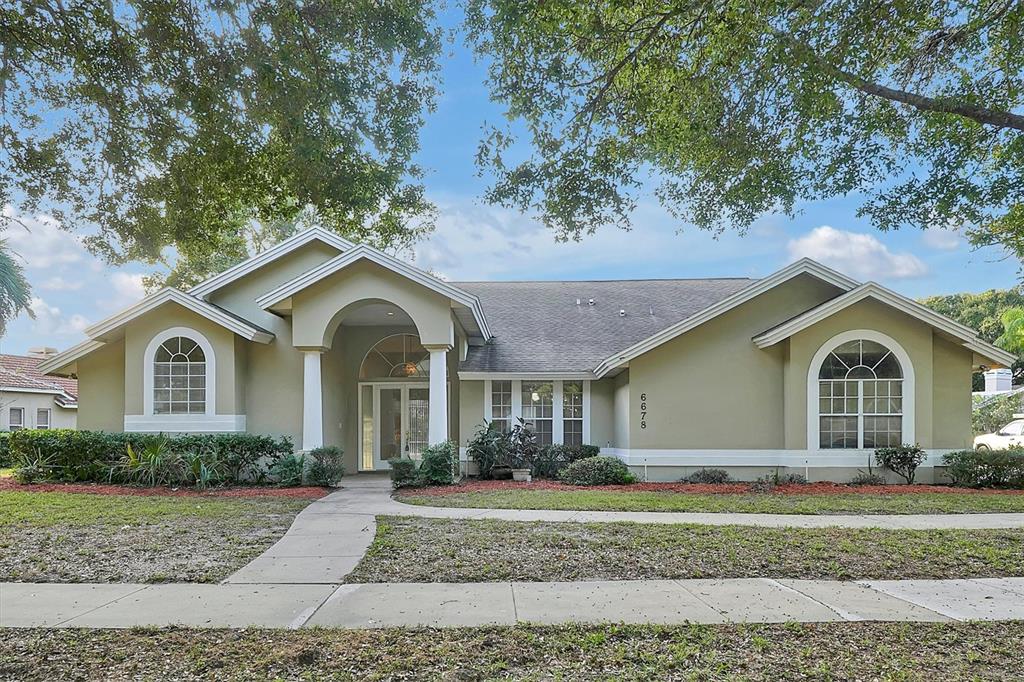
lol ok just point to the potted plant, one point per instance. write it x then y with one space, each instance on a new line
522 451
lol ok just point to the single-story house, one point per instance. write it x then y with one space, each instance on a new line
31 400
335 343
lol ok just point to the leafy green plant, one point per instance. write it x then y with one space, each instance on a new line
203 469
489 447
551 459
151 465
325 467
986 468
902 460
289 469
713 476
523 447
403 472
438 464
867 478
597 471
31 468
6 458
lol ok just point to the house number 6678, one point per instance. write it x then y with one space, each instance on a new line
643 410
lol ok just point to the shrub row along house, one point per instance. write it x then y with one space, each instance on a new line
334 343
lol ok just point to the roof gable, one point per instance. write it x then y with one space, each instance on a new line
965 335
220 280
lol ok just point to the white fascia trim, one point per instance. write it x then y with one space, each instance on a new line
800 267
185 423
528 376
756 458
306 279
192 303
895 300
62 360
207 287
16 389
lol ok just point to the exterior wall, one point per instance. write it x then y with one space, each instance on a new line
101 389
60 417
712 387
602 413
318 310
140 331
913 335
620 431
471 409
951 375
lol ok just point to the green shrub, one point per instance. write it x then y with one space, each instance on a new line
326 467
6 459
986 468
867 478
289 470
92 455
523 448
597 471
488 448
708 476
902 460
437 465
152 464
551 459
403 472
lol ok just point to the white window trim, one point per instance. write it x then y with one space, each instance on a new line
558 409
147 380
10 423
49 417
909 413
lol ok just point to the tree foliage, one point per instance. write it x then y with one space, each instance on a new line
740 108
15 294
983 313
207 125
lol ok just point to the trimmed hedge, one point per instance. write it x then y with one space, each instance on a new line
6 459
597 471
986 468
70 455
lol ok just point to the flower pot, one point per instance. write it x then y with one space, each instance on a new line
521 475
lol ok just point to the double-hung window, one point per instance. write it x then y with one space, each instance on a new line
538 409
42 418
501 404
572 413
16 420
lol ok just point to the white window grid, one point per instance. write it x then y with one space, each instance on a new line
501 404
179 377
572 412
555 425
16 423
860 413
43 418
539 409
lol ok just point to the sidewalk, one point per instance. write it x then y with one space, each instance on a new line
478 604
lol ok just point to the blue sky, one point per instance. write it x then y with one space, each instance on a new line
476 241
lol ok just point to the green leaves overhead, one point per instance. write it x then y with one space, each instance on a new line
740 108
208 125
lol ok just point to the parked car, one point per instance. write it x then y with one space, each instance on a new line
1011 435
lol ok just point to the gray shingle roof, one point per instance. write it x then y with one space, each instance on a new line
538 327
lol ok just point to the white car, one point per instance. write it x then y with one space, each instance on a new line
1011 435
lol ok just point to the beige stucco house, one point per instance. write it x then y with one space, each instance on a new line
335 343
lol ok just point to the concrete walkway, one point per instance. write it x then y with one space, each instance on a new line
479 604
371 495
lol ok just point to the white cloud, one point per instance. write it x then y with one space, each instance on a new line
859 255
50 321
942 239
128 288
59 283
41 243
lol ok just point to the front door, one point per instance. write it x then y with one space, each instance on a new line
398 417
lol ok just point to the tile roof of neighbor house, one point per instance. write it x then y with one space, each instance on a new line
20 371
538 327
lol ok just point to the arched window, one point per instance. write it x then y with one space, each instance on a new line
396 357
860 397
179 377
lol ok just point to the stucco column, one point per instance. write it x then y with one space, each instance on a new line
438 427
312 400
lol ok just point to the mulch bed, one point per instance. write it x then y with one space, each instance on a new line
822 488
301 492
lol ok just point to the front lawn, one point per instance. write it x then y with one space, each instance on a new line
656 497
934 652
68 537
410 549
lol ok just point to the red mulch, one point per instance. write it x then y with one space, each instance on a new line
824 488
303 492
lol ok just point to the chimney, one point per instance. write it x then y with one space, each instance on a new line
998 381
42 352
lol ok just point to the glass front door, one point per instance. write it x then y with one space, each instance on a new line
396 422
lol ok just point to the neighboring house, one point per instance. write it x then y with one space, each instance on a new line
335 343
31 400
